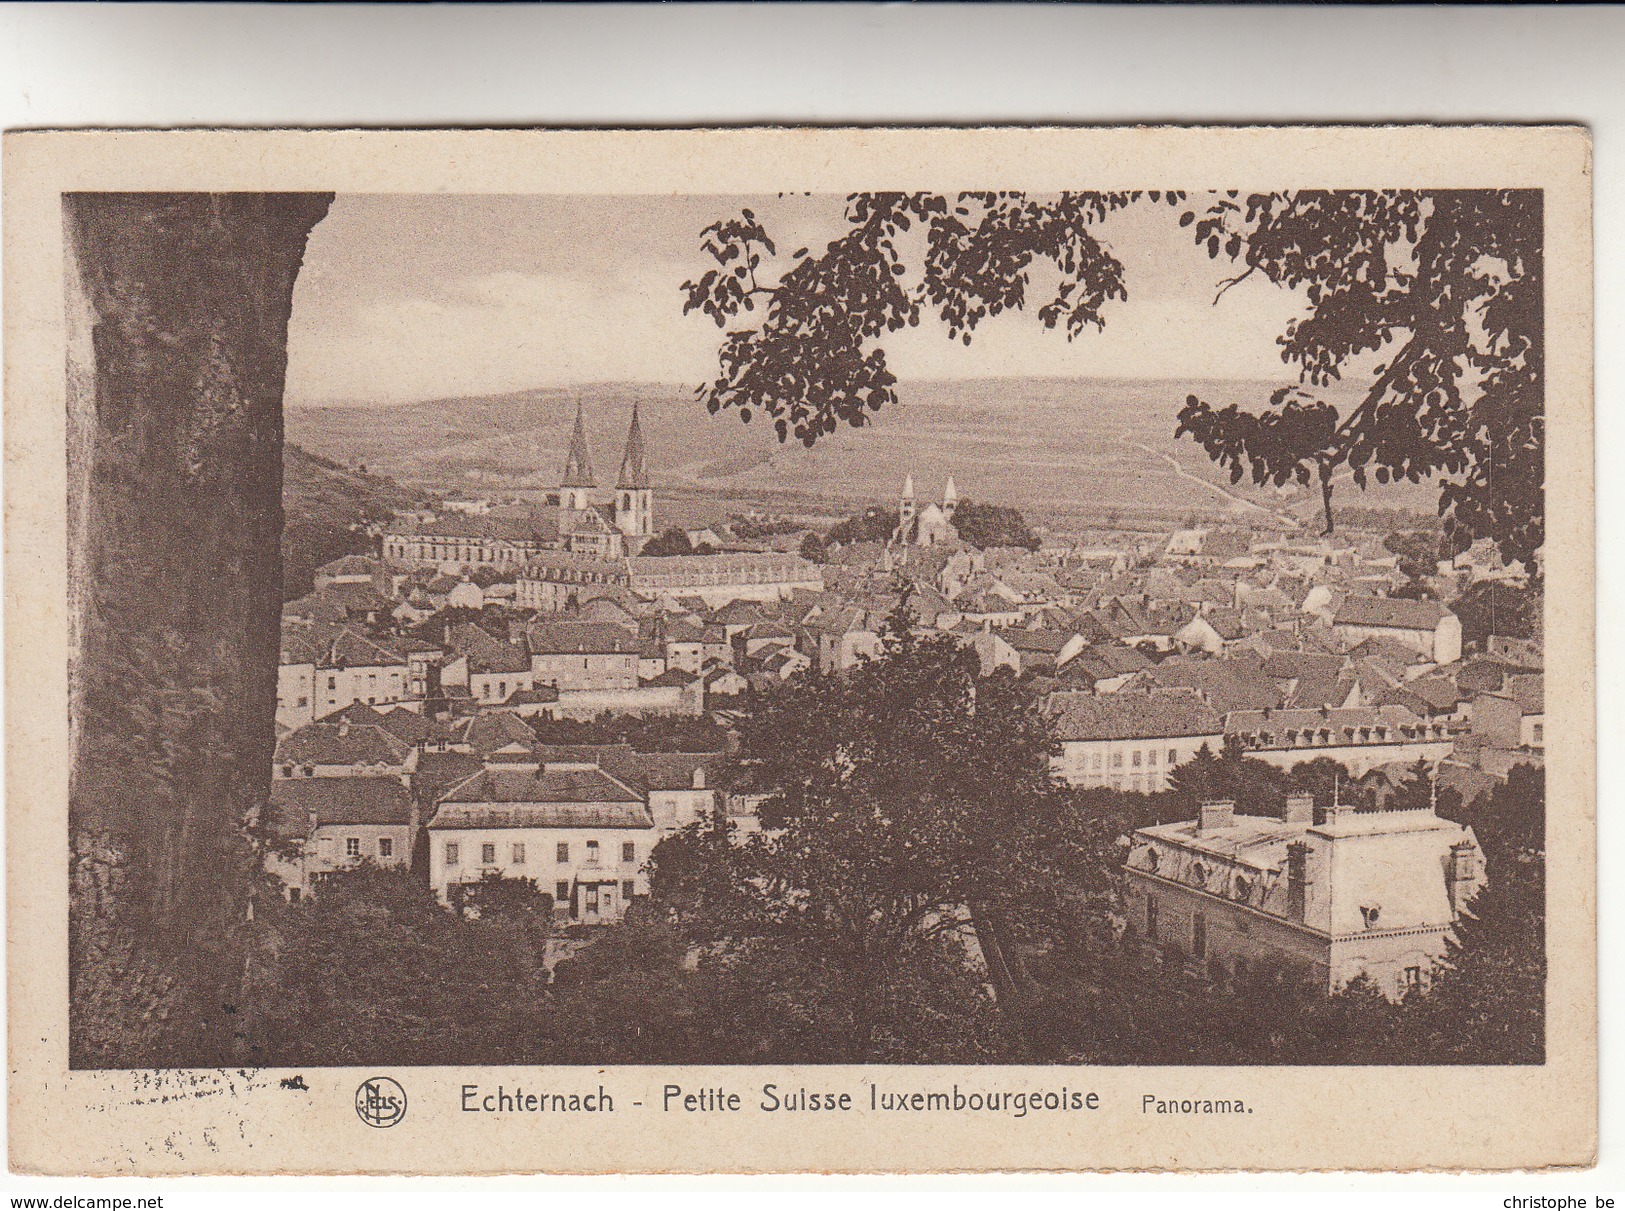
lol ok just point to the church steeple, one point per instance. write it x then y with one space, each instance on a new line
578 466
634 501
634 472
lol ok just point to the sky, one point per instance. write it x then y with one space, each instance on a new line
413 297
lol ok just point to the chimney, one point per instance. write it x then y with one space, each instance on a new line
1300 809
1297 880
1463 869
1216 814
1330 813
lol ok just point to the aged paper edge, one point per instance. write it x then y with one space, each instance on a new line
1454 1119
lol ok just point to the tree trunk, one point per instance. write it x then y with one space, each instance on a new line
1012 987
178 309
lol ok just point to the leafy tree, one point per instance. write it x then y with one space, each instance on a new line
874 524
1487 1004
671 541
1494 607
1255 786
375 971
909 804
1418 551
497 896
814 548
984 525
1443 286
625 999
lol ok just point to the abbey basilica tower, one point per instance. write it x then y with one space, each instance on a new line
634 499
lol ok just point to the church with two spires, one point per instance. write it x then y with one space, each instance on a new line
613 529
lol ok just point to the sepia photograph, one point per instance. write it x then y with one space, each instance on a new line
953 628
959 627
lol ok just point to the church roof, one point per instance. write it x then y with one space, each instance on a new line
578 466
634 468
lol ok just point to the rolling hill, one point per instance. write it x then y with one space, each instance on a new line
1065 451
324 506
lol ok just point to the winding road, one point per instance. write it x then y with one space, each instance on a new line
1179 470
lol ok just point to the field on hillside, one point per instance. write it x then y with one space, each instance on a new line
1065 451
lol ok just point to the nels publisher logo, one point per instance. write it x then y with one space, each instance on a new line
380 1102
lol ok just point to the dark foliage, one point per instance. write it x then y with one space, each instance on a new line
901 795
814 361
374 971
1493 607
814 548
670 541
1445 286
326 509
984 525
875 524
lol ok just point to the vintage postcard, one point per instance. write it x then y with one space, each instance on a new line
773 650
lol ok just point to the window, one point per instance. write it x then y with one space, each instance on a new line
1199 936
1413 979
518 854
1097 763
1151 917
386 847
592 853
629 851
561 893
1151 757
1136 758
564 851
293 895
287 771
1117 760
332 683
1540 729
352 847
303 700
488 853
626 889
451 853
1173 756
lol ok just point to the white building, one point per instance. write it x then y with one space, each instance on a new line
1425 626
719 579
1360 738
1334 893
320 825
581 835
1131 741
